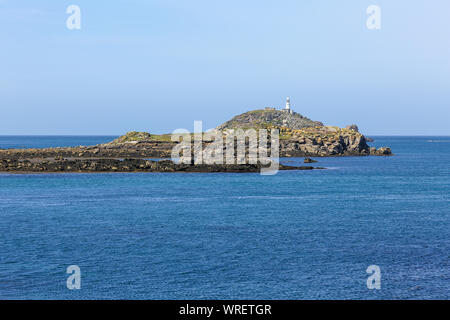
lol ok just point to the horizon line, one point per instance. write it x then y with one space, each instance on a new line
113 135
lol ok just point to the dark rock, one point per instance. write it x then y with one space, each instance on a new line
127 165
383 151
353 127
309 160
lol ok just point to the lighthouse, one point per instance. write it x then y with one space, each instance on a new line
288 105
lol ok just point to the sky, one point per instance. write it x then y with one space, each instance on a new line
158 65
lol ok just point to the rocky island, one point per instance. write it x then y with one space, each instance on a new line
299 137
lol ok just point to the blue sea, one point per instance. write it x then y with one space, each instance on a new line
294 235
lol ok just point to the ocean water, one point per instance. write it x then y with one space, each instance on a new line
26 142
294 235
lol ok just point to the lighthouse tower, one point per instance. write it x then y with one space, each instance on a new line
288 105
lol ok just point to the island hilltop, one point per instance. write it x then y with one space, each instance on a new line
299 137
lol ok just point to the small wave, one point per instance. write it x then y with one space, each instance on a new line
438 141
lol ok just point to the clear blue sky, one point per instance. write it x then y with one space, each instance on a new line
158 65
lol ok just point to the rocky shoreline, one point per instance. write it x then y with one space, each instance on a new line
151 149
124 165
297 144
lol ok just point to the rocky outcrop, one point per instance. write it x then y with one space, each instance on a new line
126 165
383 151
326 141
300 136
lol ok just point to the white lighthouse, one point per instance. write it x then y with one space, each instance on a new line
288 105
